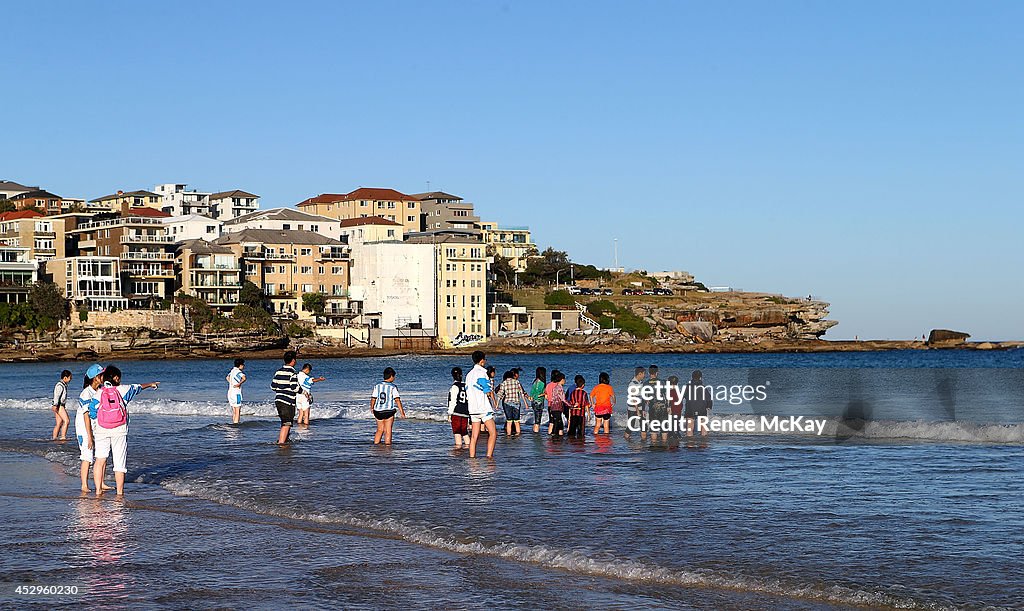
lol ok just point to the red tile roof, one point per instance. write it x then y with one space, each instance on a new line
19 214
362 193
368 220
146 211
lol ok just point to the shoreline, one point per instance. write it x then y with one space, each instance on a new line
642 347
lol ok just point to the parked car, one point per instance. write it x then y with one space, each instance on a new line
575 290
663 292
647 292
586 291
606 291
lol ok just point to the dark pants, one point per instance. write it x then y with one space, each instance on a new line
577 427
556 421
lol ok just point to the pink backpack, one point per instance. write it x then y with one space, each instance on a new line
111 412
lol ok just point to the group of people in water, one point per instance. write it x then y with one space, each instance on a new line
474 402
101 422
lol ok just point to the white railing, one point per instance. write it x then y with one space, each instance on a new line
146 239
127 220
585 318
147 256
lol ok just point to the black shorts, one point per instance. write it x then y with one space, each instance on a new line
603 416
286 411
384 415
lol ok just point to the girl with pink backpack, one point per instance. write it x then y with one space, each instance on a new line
111 431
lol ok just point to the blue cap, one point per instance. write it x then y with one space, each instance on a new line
94 370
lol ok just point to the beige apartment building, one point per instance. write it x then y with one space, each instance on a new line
461 285
124 200
365 202
42 236
512 242
210 272
370 229
289 263
144 250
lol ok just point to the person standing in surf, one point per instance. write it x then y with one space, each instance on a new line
285 385
111 433
384 403
511 397
304 400
537 397
479 390
60 406
603 398
88 401
578 401
458 409
634 402
698 404
555 395
235 379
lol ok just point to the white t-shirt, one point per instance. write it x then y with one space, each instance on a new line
305 382
88 402
235 379
477 387
386 393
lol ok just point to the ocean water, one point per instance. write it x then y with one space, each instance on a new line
911 498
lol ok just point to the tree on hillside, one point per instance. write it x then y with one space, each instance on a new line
503 270
49 304
6 205
314 302
252 296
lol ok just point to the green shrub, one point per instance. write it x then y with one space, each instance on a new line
557 335
600 307
294 329
559 298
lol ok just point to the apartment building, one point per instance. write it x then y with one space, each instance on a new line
9 189
41 236
177 199
193 227
139 241
393 288
92 281
227 205
18 272
289 263
370 229
365 202
461 287
122 201
210 272
440 211
511 242
286 219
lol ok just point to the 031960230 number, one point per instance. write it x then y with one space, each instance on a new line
46 590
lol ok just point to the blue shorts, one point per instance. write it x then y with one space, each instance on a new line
511 411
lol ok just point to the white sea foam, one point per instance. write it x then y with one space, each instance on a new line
576 561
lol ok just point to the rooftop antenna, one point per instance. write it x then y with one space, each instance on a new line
428 186
615 242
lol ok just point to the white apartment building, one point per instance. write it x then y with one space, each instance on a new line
177 200
227 205
392 284
192 227
93 281
285 219
18 273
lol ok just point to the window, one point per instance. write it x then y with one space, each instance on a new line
280 269
305 252
411 205
287 226
391 233
307 269
320 270
314 228
337 269
307 288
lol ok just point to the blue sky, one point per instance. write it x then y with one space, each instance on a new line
870 153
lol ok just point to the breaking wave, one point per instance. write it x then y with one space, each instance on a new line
576 561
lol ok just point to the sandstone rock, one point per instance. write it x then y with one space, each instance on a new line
985 346
945 337
703 331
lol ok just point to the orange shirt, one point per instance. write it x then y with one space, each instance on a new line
602 396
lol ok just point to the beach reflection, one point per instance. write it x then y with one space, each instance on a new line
101 528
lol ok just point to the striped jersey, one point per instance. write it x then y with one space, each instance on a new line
285 385
386 393
578 399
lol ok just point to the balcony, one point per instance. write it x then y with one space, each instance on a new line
134 238
332 255
216 284
259 255
98 293
87 244
119 222
147 256
45 234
